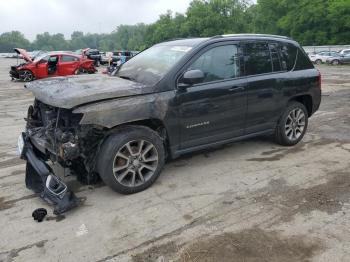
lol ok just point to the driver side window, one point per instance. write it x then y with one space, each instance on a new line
219 63
53 59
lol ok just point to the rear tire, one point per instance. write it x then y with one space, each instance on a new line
292 125
131 159
318 62
335 62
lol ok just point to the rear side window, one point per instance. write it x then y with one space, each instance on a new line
257 58
219 63
276 62
303 62
68 58
288 56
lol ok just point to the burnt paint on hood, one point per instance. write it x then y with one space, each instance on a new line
68 92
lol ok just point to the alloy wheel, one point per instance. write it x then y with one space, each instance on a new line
27 76
295 124
335 62
135 163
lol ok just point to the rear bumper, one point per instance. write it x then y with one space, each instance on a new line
316 99
41 179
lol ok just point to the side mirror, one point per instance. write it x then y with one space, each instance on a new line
192 77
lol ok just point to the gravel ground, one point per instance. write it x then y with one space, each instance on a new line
248 201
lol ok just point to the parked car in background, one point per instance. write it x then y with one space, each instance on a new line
339 59
321 57
118 57
121 56
92 54
95 55
117 60
344 52
174 98
104 58
50 64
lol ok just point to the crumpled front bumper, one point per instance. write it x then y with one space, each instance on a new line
14 74
41 179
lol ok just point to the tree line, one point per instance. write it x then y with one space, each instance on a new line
316 22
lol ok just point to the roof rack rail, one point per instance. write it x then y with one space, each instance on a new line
216 36
254 35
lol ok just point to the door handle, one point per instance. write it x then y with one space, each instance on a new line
236 88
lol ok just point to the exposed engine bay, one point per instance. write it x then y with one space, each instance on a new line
57 138
14 72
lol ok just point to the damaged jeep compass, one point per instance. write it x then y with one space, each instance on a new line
173 98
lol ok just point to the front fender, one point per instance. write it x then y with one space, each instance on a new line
119 111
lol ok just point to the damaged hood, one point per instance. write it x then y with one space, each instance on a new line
24 54
68 92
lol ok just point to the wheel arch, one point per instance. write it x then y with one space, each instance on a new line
155 124
335 60
306 100
28 69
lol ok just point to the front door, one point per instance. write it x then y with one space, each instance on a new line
52 65
41 68
213 110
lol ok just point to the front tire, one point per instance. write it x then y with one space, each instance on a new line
318 62
292 125
26 75
131 159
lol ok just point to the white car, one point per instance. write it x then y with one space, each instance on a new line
321 57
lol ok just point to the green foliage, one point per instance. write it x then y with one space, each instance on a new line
10 40
339 18
215 17
49 42
313 22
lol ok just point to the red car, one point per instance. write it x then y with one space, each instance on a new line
50 64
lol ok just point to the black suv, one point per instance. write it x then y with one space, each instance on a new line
95 55
173 98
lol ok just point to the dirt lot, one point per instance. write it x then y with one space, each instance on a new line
249 201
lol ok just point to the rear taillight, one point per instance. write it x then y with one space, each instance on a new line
319 79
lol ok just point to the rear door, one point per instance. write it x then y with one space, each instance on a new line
265 76
68 64
215 109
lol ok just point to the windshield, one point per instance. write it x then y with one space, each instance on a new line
40 57
151 65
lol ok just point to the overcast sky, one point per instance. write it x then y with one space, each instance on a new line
95 16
